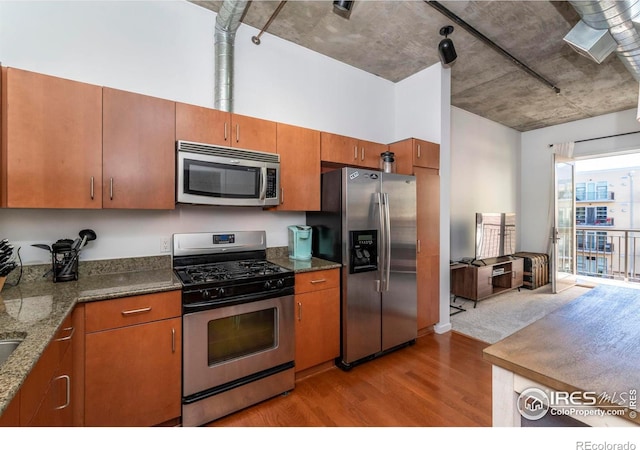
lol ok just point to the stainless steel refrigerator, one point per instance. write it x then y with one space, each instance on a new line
368 223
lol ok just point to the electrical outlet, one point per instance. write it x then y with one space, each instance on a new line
165 244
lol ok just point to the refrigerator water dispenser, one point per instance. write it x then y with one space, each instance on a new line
300 242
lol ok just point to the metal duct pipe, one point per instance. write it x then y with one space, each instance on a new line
621 19
227 23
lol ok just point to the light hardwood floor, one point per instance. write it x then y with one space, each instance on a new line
441 381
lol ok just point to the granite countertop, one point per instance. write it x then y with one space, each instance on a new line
305 266
35 308
280 256
588 345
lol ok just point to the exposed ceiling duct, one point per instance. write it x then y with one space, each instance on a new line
227 23
608 26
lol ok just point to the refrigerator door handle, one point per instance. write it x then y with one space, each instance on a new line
380 286
387 242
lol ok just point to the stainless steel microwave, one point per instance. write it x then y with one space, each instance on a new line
214 175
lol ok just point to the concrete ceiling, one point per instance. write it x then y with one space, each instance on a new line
396 39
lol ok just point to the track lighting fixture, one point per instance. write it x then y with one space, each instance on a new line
446 49
343 8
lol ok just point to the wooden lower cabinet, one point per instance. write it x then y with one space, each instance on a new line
45 396
428 254
317 318
11 415
133 367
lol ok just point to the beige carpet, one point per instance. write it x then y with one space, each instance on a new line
497 317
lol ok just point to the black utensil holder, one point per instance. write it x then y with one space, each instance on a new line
60 260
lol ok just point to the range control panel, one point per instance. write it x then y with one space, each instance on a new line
363 245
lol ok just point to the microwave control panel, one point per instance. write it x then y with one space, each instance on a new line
363 251
272 185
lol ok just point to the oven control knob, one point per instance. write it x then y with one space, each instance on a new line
206 294
221 292
267 284
280 284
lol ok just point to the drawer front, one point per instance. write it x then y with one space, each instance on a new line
122 312
316 281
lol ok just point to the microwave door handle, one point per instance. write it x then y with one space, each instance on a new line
263 183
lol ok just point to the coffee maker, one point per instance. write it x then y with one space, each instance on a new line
300 242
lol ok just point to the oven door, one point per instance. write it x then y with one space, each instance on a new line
227 344
215 180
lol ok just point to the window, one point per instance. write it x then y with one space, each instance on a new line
601 190
595 241
591 265
592 191
592 215
581 192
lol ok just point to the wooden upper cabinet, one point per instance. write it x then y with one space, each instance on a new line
203 125
212 126
426 154
415 152
403 151
345 150
299 150
51 142
138 151
253 134
339 149
370 153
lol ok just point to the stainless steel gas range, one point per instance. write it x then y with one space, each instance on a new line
238 323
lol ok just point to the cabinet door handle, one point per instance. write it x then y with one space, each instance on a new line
226 131
418 150
299 311
91 188
68 387
419 246
282 196
355 152
362 154
67 338
321 280
111 188
136 311
173 340
237 132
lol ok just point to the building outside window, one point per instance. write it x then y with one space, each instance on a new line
608 199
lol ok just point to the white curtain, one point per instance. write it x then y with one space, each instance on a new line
564 149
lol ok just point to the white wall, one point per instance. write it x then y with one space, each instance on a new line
485 166
537 166
165 49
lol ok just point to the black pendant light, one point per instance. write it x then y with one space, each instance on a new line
343 8
446 49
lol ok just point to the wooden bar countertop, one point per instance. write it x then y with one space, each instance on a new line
591 344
